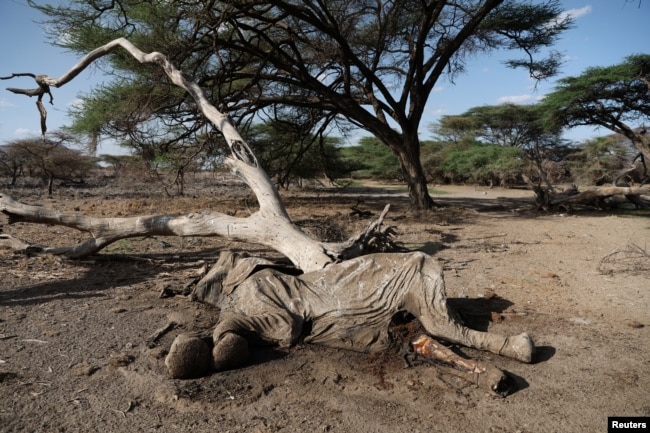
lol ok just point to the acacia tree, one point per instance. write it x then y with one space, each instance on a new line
320 306
10 164
56 157
288 152
507 125
615 97
373 63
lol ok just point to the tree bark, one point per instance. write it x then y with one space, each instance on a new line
408 155
540 168
548 199
596 196
50 182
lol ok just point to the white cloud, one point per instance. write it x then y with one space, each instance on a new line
76 103
4 103
24 132
437 89
516 99
574 14
437 110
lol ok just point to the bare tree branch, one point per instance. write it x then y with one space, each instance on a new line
43 89
270 225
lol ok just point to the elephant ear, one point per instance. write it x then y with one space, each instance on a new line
230 271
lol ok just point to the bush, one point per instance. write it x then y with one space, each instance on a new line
475 162
372 160
599 161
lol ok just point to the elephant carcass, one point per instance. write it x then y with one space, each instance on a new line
346 305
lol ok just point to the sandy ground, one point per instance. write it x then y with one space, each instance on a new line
76 349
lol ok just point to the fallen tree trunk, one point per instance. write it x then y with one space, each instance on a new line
596 196
269 226
271 229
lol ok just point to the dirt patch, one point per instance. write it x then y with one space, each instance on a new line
77 354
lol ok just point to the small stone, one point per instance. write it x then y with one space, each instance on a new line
189 357
157 352
580 320
121 360
84 369
496 317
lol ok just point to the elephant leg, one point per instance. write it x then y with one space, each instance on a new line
231 335
519 347
427 300
483 375
230 351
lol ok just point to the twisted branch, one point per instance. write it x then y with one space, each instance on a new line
270 225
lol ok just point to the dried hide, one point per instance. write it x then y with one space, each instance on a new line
345 305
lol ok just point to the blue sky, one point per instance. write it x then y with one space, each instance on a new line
605 32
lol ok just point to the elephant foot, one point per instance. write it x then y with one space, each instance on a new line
231 351
519 347
188 358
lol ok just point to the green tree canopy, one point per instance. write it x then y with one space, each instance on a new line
373 63
288 152
483 163
615 97
506 125
372 159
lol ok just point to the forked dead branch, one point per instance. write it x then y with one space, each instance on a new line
336 294
632 259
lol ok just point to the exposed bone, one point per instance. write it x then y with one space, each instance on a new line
427 346
483 375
